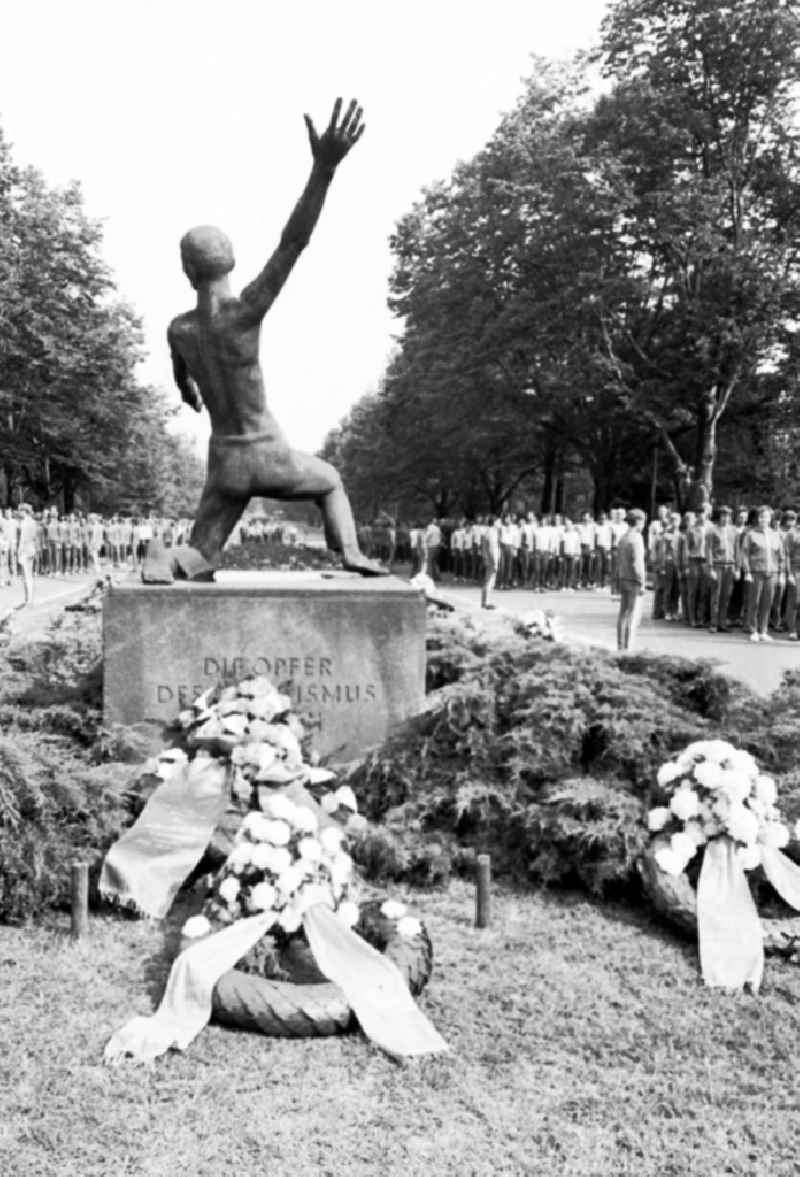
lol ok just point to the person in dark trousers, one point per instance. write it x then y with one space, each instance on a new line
631 579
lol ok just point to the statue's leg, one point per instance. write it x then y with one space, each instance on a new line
217 515
312 478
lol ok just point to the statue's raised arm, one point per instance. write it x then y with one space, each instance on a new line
328 151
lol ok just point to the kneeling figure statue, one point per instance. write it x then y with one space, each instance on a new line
214 350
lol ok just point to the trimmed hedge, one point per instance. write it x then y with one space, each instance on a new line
545 756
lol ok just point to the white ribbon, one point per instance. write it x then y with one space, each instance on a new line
373 986
371 983
145 868
729 932
186 1005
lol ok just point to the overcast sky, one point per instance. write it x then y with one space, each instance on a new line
178 112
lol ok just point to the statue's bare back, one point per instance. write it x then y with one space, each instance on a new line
215 358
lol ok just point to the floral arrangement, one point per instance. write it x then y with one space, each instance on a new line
291 852
283 862
288 874
540 623
252 723
714 790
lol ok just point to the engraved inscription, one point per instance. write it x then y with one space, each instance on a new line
309 680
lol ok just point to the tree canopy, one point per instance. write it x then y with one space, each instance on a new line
76 425
608 291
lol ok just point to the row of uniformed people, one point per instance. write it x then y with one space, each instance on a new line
727 569
75 542
541 552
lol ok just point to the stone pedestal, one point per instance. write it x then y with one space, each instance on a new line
349 651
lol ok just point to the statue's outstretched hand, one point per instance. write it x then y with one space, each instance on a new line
330 148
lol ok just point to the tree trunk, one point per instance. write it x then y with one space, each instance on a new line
654 483
68 491
558 495
708 456
547 485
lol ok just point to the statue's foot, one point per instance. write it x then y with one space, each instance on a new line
357 562
165 565
191 564
158 565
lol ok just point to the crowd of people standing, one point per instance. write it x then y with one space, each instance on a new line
56 544
723 569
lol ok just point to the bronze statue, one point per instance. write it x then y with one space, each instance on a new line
215 363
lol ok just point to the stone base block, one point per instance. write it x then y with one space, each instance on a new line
349 651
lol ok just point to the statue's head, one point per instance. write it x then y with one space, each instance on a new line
206 254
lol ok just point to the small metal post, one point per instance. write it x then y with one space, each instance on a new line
483 880
80 900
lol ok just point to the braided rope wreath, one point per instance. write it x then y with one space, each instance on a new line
280 992
675 899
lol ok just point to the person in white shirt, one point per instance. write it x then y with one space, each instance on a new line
527 556
570 556
490 557
541 548
556 558
5 570
478 532
586 533
94 541
26 549
603 540
631 580
413 543
618 528
466 550
433 544
457 551
655 530
509 550
12 530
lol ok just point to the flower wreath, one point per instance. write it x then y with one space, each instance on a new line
289 864
717 806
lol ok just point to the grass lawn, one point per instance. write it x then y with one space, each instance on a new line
582 1043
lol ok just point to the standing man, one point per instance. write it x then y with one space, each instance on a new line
433 545
456 551
12 526
618 529
490 555
586 534
5 568
723 547
570 556
26 550
791 547
656 528
603 543
697 578
763 561
631 579
505 577
527 541
665 594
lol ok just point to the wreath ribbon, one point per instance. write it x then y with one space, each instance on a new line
729 932
147 865
372 984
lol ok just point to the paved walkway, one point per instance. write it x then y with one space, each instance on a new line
50 594
592 617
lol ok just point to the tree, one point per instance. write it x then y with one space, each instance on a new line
609 277
700 124
71 407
